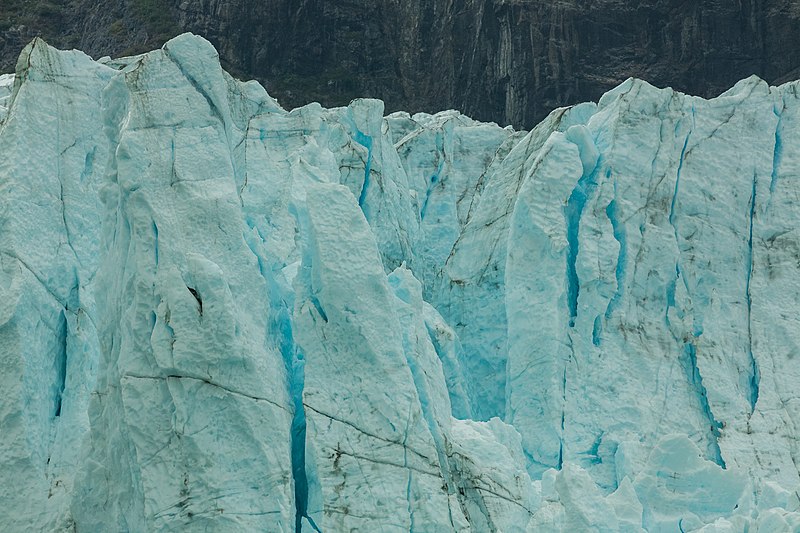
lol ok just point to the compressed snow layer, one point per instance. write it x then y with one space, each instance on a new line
217 315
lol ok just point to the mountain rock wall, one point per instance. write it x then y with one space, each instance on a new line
506 61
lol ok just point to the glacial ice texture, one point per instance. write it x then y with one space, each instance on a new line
219 315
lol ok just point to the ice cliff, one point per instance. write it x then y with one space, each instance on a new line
217 315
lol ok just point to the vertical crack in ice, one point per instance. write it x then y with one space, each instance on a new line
281 323
777 152
298 435
670 296
593 453
573 212
155 242
88 164
60 364
574 209
296 359
755 374
689 359
693 374
61 199
563 416
197 297
597 330
318 306
437 174
298 438
173 173
671 218
61 181
439 439
410 508
678 180
365 141
618 226
64 216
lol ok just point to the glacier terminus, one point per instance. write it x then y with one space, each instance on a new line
218 315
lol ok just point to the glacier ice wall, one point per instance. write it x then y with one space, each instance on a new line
218 315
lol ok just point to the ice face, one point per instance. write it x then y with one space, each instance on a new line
220 315
6 87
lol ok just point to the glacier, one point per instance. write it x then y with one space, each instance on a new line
220 315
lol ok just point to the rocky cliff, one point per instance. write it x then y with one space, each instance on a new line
509 61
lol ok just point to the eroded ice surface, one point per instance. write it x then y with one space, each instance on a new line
219 315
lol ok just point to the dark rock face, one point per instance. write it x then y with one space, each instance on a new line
510 61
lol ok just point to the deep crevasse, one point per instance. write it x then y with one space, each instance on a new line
201 329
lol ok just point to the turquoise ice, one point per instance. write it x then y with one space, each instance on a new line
220 315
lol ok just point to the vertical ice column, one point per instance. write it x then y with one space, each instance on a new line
51 142
190 423
371 460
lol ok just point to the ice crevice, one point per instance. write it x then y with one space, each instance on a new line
410 474
696 380
585 187
365 141
755 373
155 242
298 444
688 339
61 363
620 235
777 152
681 162
433 181
64 220
671 218
562 426
294 360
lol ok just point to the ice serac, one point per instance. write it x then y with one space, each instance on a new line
50 139
471 291
653 327
220 315
395 439
446 158
190 419
361 439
